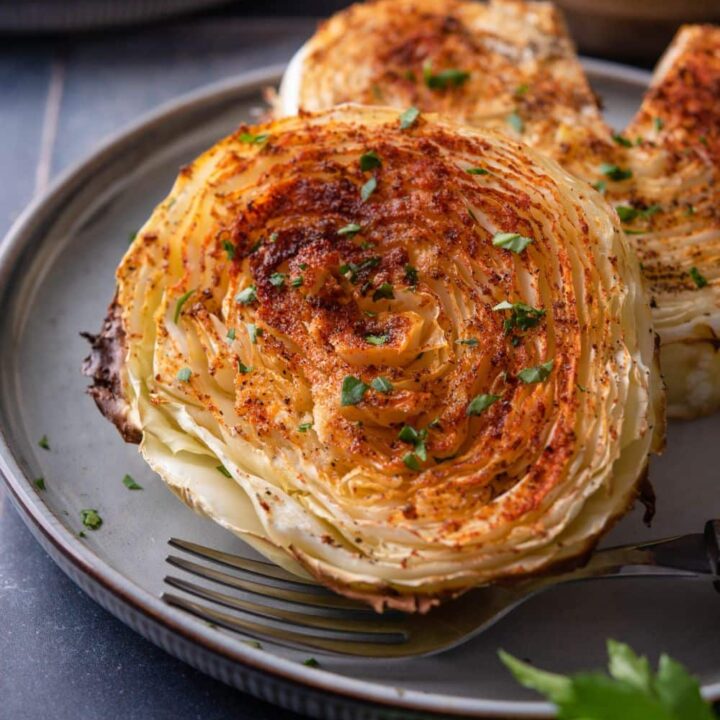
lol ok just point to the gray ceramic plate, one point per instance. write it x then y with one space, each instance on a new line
56 278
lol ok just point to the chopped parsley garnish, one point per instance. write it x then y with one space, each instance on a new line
231 334
511 241
254 139
353 390
91 519
130 484
480 403
179 304
247 296
277 279
409 117
521 316
184 374
357 269
243 369
408 434
600 186
690 210
385 291
297 282
369 161
254 332
40 483
44 443
376 339
651 210
303 266
703 139
132 236
626 213
658 124
622 140
223 471
368 189
451 77
536 374
256 247
521 90
349 229
382 385
477 171
304 427
411 461
698 278
515 122
614 172
229 248
311 662
366 245
411 274
470 342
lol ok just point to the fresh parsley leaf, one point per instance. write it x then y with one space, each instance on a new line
477 171
91 519
184 374
179 304
625 665
385 291
40 483
690 210
353 390
44 443
470 342
304 427
376 339
621 140
223 471
451 77
229 248
600 186
311 662
698 278
349 229
132 236
521 90
297 282
480 403
370 161
626 213
130 484
409 117
254 332
231 334
658 124
368 189
243 369
515 122
522 316
247 296
277 279
536 374
254 139
511 241
408 434
381 384
411 461
614 172
411 274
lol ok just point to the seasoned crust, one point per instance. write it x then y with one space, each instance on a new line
104 365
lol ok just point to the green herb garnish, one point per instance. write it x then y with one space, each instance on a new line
470 342
521 90
353 390
385 291
626 213
451 77
129 482
231 334
44 443
477 171
376 339
311 662
515 122
622 140
229 248
521 316
631 690
254 139
40 483
480 403
408 434
243 369
411 274
614 172
179 304
411 461
658 124
409 117
297 282
304 427
368 189
91 519
223 471
369 161
349 229
698 278
511 241
536 374
600 186
247 296
254 332
382 385
277 279
184 374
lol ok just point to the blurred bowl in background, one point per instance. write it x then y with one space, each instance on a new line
637 31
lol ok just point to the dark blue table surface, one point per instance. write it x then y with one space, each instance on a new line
61 655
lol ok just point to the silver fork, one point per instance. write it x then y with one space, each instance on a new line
268 603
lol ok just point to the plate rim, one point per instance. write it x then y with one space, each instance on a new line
108 586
